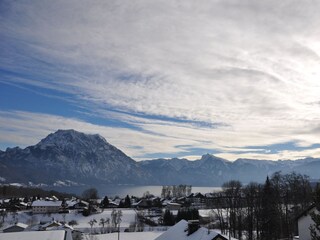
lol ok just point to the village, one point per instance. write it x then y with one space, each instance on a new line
79 218
149 217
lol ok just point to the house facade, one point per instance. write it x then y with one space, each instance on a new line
41 206
304 223
191 230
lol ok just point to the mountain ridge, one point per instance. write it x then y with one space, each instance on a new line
71 155
77 158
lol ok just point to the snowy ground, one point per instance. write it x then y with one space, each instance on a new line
150 233
125 236
206 212
128 216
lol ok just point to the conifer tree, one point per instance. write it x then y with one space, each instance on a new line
168 218
269 213
127 202
105 202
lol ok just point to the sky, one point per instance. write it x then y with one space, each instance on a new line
164 79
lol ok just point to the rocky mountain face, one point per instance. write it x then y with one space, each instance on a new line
70 157
214 171
73 156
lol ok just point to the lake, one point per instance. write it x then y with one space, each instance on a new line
123 190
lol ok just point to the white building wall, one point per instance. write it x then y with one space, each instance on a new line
45 209
304 223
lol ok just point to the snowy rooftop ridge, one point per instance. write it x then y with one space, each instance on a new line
42 203
22 225
19 224
180 232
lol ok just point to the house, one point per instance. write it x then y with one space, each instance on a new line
191 230
18 227
43 235
113 205
173 206
143 203
304 222
50 225
23 205
81 205
41 206
209 199
196 199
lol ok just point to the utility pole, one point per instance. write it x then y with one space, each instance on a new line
119 231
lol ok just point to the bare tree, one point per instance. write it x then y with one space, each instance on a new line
103 222
252 207
15 217
64 217
220 211
116 216
92 222
3 214
90 193
72 223
232 191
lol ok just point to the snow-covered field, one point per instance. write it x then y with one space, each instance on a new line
128 216
125 236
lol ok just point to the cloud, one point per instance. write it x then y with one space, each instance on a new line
155 137
27 128
250 69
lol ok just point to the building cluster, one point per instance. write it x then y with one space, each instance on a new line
42 206
53 229
154 205
193 200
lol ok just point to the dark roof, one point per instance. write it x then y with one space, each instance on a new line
306 211
219 236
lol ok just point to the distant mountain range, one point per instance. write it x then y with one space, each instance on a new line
68 157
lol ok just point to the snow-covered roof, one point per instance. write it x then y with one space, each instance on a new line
174 204
165 202
51 224
136 203
23 204
71 203
22 225
55 198
61 227
81 202
114 203
43 235
208 195
41 203
180 232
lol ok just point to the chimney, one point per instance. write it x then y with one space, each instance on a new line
193 226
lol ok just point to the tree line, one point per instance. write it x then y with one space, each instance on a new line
9 191
176 191
263 211
187 214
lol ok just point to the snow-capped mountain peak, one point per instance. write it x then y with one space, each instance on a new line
76 156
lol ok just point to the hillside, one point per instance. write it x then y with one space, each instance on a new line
68 157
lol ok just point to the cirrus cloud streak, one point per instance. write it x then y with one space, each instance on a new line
249 69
